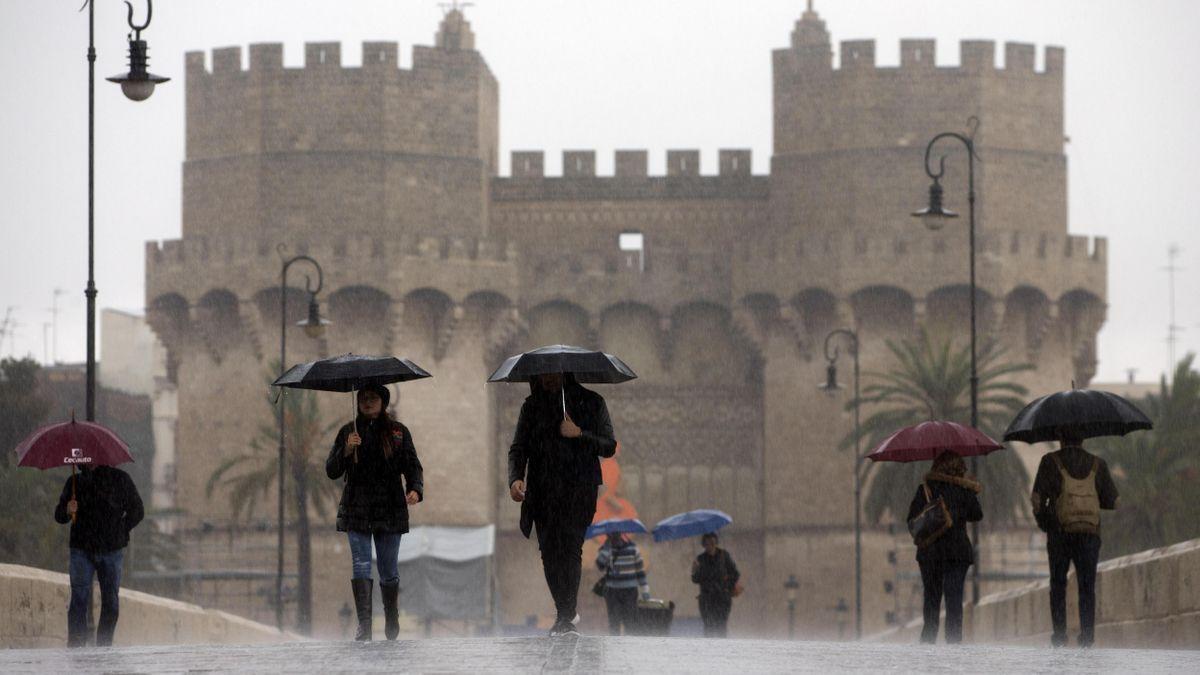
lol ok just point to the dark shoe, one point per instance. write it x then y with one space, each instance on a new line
362 606
564 629
391 610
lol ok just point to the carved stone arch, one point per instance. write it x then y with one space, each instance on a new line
168 316
359 319
267 303
426 320
1028 315
707 349
883 312
812 313
558 322
217 320
634 332
1082 313
753 318
495 317
948 310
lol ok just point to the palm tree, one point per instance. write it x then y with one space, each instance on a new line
932 380
1158 471
250 477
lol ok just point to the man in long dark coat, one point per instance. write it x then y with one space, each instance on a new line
554 472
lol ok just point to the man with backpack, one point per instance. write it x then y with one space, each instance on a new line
1071 487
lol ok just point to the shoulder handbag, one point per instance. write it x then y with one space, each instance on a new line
932 522
600 588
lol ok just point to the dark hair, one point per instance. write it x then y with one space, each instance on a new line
709 535
385 430
950 464
1068 438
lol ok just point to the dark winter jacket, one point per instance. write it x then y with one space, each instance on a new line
373 499
716 574
109 507
1047 485
549 464
960 496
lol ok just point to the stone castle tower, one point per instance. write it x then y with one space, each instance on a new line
389 178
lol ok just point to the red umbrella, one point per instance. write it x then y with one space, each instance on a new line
72 444
927 440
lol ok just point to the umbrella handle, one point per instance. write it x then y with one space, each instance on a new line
73 488
354 419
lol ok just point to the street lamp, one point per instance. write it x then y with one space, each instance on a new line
831 385
935 216
791 585
314 327
139 83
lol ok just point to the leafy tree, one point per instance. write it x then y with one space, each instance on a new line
250 480
931 380
1158 471
28 533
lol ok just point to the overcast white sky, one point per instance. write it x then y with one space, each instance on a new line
600 74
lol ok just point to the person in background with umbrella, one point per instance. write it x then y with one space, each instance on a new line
944 561
554 472
624 575
383 477
718 577
103 505
1070 488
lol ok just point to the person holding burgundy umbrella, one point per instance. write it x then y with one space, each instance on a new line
101 503
945 502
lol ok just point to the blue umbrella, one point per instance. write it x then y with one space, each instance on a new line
614 526
690 524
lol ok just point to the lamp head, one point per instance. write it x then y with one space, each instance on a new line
831 385
138 84
314 325
935 215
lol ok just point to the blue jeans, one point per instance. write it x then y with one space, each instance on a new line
387 547
86 565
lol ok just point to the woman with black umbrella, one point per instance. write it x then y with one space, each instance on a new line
383 477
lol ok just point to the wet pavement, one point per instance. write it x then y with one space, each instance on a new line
593 654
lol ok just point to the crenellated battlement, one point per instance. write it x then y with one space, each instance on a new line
266 58
974 56
531 164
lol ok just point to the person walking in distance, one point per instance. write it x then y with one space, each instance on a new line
718 576
624 576
944 561
102 508
554 472
1071 487
383 477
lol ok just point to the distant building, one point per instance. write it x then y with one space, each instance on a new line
717 288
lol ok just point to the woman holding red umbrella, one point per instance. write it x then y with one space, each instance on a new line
945 560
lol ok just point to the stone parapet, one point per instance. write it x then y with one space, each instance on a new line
1145 600
33 613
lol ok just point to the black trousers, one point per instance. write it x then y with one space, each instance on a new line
622 609
714 613
561 524
1083 550
943 580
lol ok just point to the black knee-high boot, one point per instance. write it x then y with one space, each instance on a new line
391 609
362 605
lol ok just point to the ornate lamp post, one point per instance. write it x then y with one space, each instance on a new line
314 327
935 217
137 86
831 385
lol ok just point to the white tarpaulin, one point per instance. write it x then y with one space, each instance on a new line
451 544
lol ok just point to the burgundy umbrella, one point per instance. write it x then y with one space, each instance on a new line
927 440
72 444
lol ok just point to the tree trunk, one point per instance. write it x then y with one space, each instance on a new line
303 552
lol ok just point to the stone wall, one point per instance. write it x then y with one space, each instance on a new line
33 613
1148 599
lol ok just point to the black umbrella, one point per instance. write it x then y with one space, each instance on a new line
587 366
1079 413
349 373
